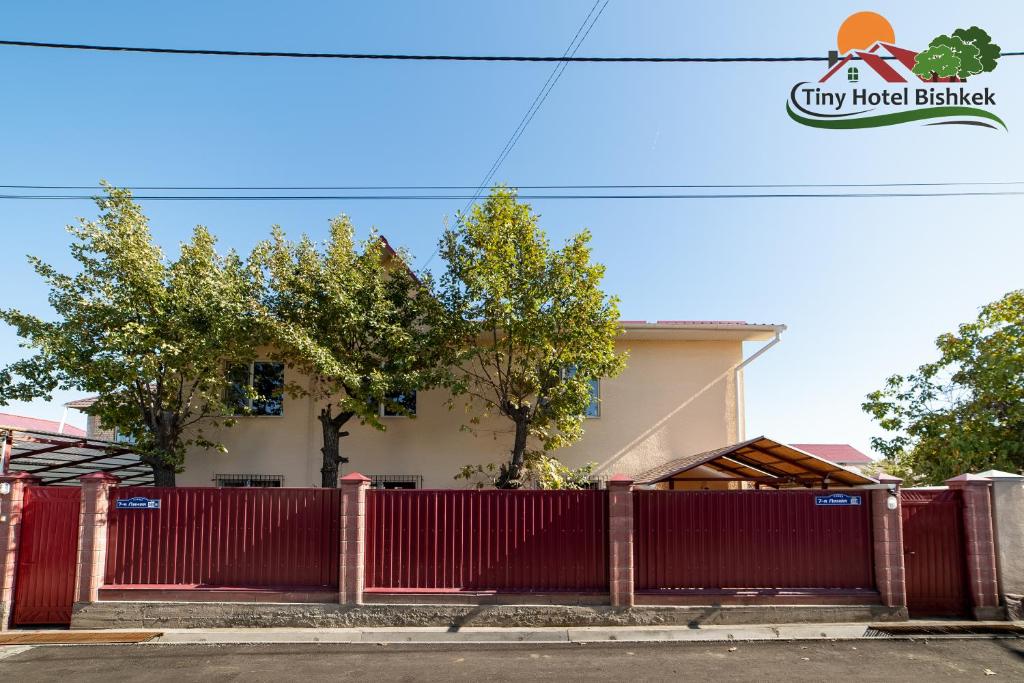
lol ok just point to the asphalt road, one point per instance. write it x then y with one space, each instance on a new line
872 660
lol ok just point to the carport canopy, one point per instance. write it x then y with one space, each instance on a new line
60 459
764 461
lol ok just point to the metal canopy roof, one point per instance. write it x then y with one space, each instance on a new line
762 460
60 459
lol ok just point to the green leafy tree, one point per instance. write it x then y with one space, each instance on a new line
965 411
988 52
530 325
355 322
148 335
946 57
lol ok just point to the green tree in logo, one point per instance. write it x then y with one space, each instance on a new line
938 61
980 39
967 52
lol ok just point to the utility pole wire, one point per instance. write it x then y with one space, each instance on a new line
538 101
414 57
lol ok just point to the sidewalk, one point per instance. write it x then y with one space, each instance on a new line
594 634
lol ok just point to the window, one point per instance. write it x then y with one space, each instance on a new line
594 408
853 74
257 481
396 481
407 400
256 389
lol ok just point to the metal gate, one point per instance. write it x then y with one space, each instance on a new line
933 549
44 589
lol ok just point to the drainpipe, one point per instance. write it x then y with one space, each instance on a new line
63 420
741 427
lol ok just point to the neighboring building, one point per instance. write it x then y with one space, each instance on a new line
681 393
840 453
92 423
36 424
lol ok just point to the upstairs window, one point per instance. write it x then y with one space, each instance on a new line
256 389
406 400
594 407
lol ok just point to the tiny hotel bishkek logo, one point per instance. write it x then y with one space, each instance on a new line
871 82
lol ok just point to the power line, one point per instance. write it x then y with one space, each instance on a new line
538 101
416 57
533 197
613 186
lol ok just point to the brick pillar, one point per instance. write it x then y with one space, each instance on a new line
620 540
11 505
980 541
887 529
92 534
353 538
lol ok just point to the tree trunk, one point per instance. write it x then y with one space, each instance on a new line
512 478
331 450
166 436
163 475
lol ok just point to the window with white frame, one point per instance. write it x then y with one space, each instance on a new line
256 388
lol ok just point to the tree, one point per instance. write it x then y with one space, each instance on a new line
148 335
530 325
948 56
988 51
965 411
354 320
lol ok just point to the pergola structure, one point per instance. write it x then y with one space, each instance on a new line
59 459
761 460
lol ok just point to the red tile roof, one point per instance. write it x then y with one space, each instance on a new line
37 423
840 453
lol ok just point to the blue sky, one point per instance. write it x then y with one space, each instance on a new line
865 285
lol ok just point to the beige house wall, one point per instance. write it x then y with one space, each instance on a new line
674 398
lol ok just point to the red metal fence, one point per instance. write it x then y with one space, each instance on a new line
226 537
749 539
487 540
933 552
45 582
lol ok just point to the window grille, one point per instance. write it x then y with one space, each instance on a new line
261 481
396 481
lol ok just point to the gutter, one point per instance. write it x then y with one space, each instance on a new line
741 428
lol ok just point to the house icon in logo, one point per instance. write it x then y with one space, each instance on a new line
893 64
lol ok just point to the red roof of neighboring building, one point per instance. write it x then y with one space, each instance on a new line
839 453
38 424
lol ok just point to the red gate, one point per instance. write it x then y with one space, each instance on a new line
933 550
516 541
718 540
44 588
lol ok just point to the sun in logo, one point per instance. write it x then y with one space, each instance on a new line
862 30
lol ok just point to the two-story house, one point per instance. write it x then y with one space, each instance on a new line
681 393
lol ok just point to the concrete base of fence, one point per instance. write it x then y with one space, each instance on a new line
264 615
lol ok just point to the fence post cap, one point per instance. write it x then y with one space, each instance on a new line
98 477
999 474
968 480
620 479
886 478
354 477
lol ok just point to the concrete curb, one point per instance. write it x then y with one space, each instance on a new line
483 635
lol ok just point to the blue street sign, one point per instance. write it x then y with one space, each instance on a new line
138 503
837 499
